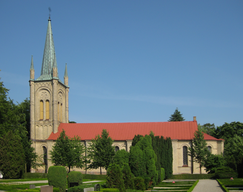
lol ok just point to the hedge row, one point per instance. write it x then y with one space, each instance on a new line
96 177
193 176
34 175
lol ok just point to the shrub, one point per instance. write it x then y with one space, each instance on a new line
110 190
128 177
121 157
95 177
159 176
139 183
225 172
147 182
75 177
114 177
162 174
57 177
76 189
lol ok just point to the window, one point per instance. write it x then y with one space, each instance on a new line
45 158
210 149
116 148
61 112
41 110
185 155
58 115
47 110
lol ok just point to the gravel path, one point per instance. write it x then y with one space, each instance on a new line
207 185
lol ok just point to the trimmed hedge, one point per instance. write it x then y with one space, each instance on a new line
225 173
222 186
193 176
57 177
76 189
75 177
34 175
110 190
193 186
139 183
162 174
95 177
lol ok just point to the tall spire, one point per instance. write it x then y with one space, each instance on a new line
49 56
66 73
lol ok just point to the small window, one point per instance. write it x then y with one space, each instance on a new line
185 155
210 149
116 148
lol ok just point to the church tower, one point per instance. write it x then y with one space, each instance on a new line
48 97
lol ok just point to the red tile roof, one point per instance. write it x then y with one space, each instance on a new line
183 130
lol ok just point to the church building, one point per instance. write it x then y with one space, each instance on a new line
49 116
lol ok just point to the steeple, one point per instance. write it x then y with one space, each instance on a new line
49 56
66 76
32 70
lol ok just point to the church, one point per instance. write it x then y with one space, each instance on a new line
49 115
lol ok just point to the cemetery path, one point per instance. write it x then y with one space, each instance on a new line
207 185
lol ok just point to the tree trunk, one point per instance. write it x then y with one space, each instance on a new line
200 168
100 171
68 169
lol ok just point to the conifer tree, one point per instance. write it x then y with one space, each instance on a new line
176 116
12 158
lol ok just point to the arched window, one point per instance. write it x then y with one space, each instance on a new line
45 158
41 110
47 110
210 149
116 148
185 155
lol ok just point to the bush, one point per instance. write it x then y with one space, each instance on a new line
162 174
75 177
95 177
128 177
147 182
76 189
110 190
225 173
57 177
192 176
139 183
114 177
34 175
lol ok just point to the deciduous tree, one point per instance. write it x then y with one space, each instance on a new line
198 151
101 151
68 152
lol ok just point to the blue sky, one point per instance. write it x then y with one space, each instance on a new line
131 61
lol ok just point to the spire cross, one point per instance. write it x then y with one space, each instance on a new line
49 13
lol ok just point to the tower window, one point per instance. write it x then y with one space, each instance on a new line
47 110
185 155
41 110
61 112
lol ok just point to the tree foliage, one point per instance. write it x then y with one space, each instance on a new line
198 151
11 156
114 177
176 116
17 119
213 162
208 128
101 151
68 152
121 158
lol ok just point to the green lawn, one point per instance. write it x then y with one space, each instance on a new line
182 186
235 184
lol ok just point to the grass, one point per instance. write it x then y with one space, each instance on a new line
177 186
235 184
13 187
18 180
